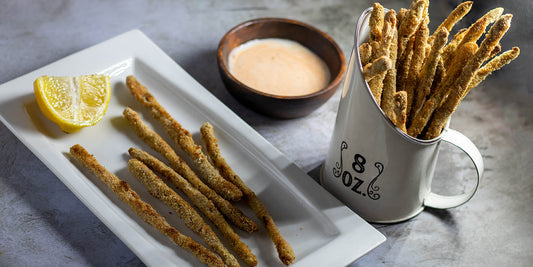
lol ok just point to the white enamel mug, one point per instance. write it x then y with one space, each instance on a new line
376 169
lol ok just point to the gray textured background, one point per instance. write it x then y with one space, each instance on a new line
43 224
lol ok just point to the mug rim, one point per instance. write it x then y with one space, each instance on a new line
389 123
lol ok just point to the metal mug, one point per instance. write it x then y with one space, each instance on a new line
376 169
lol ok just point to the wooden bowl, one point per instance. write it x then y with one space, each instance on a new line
285 107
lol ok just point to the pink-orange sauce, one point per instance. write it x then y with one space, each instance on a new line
278 67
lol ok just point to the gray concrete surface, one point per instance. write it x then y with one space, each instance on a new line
43 224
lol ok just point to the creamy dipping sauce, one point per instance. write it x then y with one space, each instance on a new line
279 67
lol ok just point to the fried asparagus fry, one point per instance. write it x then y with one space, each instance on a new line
205 205
141 208
157 143
493 65
456 15
388 31
426 79
365 53
443 113
379 42
377 67
409 25
190 217
183 138
400 110
285 251
376 22
417 59
406 31
392 19
403 65
389 89
386 48
389 82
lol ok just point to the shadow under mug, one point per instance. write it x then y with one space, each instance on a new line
373 167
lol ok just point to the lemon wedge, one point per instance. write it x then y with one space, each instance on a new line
73 102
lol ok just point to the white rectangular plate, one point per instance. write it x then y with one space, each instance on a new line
322 231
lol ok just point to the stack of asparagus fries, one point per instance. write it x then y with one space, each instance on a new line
418 78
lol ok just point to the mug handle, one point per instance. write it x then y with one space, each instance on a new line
459 140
